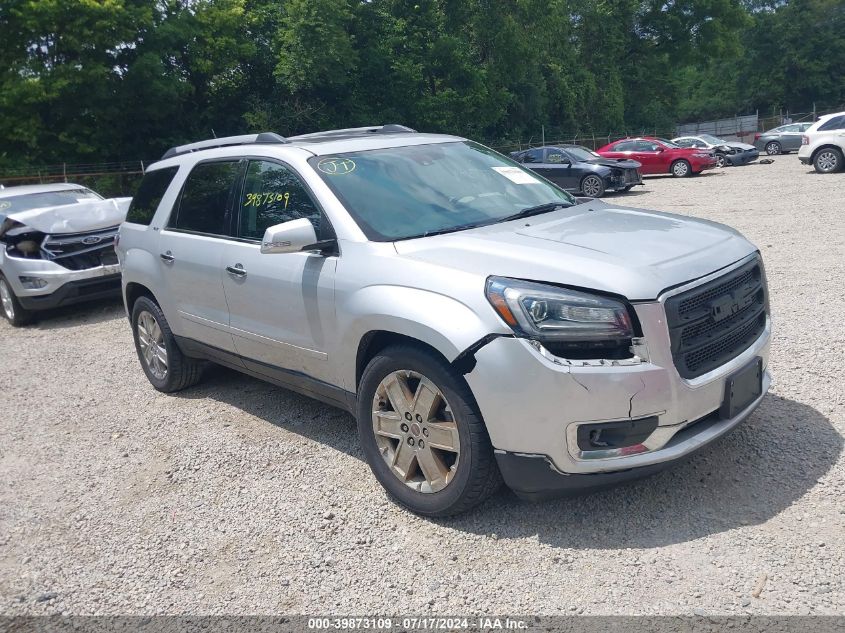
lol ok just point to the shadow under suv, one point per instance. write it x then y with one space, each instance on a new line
478 322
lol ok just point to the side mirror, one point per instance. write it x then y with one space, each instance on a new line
659 149
288 237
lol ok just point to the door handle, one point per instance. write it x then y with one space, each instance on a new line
167 258
236 271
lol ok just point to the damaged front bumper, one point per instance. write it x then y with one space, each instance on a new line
58 286
534 404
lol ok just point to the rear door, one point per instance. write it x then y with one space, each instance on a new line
650 155
191 253
281 306
790 136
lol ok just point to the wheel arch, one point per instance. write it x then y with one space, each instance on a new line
375 341
134 291
409 315
826 146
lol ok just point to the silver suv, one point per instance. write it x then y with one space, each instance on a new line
478 321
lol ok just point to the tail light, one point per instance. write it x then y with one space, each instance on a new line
757 136
805 140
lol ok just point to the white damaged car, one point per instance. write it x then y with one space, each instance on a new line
56 247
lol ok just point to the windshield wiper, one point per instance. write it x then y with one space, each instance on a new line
536 210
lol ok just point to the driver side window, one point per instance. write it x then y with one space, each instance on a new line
273 194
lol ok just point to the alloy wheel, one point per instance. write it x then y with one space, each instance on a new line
826 160
680 169
415 431
6 300
721 161
592 186
151 341
773 149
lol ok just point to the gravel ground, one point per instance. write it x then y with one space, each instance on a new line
238 497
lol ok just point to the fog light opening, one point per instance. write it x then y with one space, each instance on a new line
32 283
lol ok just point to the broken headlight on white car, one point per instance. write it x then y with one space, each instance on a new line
569 323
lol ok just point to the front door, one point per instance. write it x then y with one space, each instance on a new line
191 249
281 306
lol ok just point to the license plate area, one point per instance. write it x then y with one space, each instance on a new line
742 388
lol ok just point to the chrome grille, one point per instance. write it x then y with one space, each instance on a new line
78 251
715 322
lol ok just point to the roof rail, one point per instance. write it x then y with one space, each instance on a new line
226 141
389 128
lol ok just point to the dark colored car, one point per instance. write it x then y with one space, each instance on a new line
578 169
659 156
781 140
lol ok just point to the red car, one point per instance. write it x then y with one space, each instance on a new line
659 156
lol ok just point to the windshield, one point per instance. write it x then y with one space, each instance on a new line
28 201
581 153
711 139
667 143
403 192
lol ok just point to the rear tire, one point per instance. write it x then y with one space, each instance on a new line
592 186
11 307
680 169
828 160
461 456
166 367
773 148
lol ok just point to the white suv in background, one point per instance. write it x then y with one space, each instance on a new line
823 144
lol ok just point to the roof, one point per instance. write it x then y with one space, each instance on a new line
321 143
22 190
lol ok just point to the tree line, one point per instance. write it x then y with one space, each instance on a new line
101 80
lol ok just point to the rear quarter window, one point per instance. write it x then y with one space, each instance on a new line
836 123
150 192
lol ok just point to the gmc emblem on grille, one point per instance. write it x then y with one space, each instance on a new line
727 306
92 239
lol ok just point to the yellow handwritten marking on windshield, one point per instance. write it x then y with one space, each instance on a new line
5 205
260 199
336 166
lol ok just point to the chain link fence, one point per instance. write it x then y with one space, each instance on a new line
122 178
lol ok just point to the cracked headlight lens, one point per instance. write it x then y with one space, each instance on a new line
549 313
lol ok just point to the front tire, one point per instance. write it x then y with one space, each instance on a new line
592 186
721 160
422 434
773 148
11 307
828 160
680 169
164 364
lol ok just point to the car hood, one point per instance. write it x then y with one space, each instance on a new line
89 215
738 145
630 252
625 163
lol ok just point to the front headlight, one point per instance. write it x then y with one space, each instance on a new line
548 313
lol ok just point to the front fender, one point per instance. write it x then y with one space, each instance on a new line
442 322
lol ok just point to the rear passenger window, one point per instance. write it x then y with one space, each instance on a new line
150 192
274 194
204 203
836 123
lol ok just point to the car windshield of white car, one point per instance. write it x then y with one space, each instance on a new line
404 192
28 201
711 139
